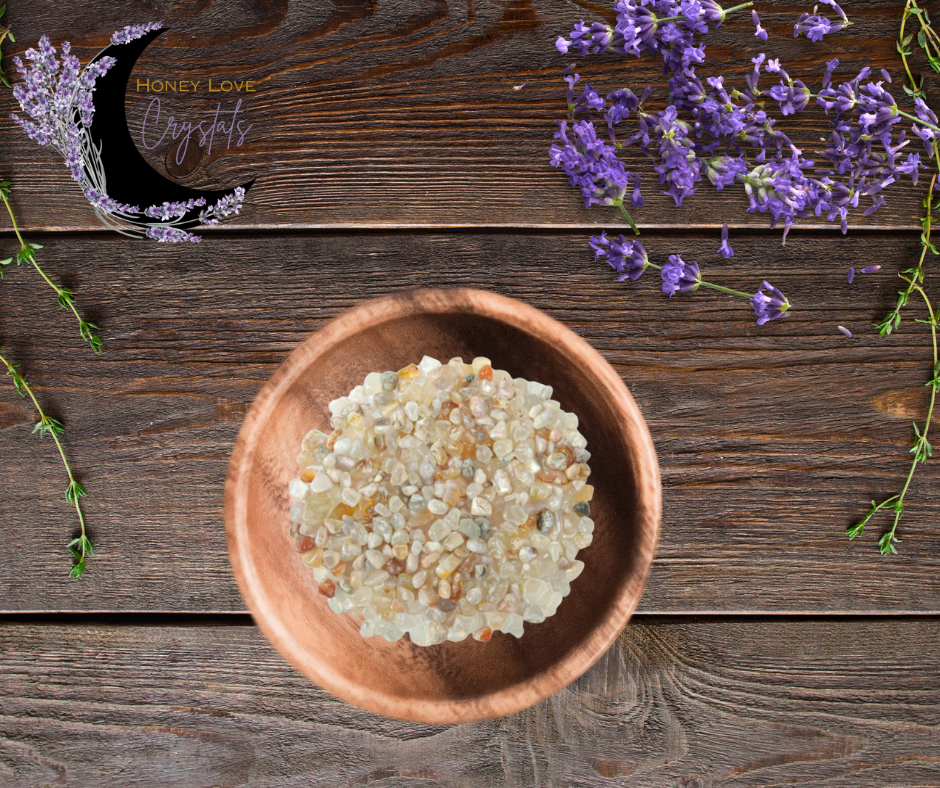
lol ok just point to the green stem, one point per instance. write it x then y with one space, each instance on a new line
724 13
889 537
748 296
907 68
22 386
64 296
737 8
908 115
893 319
623 210
703 283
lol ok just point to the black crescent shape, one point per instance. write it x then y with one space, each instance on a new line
130 179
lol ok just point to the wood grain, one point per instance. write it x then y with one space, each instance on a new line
723 704
771 440
394 114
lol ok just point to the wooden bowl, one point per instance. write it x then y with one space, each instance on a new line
450 682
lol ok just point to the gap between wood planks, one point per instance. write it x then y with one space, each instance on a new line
221 619
804 231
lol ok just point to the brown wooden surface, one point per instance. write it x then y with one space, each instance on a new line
392 152
404 114
723 703
771 440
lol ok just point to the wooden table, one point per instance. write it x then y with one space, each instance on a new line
392 151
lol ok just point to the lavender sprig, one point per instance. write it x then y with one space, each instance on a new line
66 296
815 27
133 32
81 547
629 259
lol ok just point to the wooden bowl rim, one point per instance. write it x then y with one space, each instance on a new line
441 301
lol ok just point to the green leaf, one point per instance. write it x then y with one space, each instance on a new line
922 38
78 570
886 543
855 530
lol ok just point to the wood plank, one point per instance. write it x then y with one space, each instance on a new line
721 703
771 440
396 114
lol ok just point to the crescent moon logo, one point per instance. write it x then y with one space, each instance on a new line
82 115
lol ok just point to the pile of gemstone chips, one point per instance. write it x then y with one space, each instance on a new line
449 500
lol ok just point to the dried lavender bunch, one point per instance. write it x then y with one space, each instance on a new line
57 96
81 547
729 137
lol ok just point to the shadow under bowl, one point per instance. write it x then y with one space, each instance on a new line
450 682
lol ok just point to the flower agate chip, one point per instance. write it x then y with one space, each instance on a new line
450 500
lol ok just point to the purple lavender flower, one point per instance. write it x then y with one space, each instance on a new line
229 205
724 170
882 112
678 166
133 32
760 32
106 204
637 198
769 306
173 210
622 103
171 235
831 66
713 13
851 275
793 96
845 331
679 276
725 251
590 164
628 258
815 27
926 115
639 26
870 269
